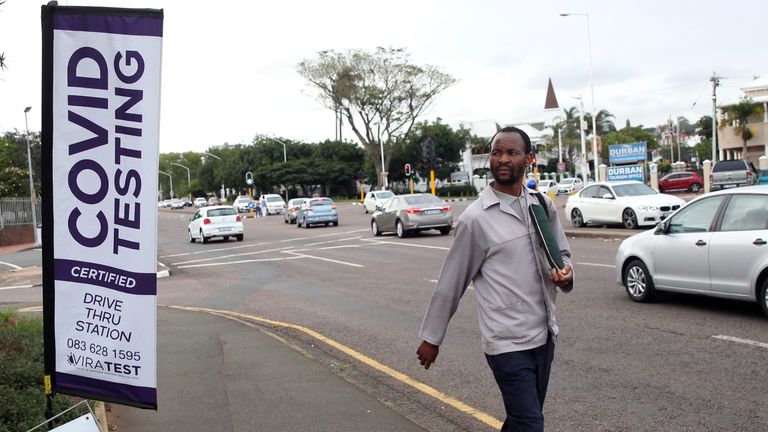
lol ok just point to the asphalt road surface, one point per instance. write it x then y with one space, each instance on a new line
682 364
619 365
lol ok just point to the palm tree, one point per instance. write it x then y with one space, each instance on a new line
603 122
739 115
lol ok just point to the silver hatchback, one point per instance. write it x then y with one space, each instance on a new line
717 245
405 214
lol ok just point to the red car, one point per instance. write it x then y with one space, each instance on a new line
689 181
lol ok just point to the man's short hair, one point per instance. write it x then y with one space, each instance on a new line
526 138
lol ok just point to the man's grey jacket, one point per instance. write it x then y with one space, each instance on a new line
492 248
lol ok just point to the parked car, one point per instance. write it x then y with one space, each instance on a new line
630 203
215 221
200 202
374 198
214 201
734 172
176 204
717 245
164 203
315 211
275 204
405 214
242 203
545 186
570 185
292 209
689 181
187 202
762 177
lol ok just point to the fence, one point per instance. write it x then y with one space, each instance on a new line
17 212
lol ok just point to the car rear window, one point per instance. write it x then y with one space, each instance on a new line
274 199
383 195
422 199
321 202
222 212
729 165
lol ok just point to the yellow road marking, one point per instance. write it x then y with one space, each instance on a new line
448 400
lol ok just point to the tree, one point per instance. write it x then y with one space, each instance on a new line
2 55
626 136
449 144
380 94
739 115
603 122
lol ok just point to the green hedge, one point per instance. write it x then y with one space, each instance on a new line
456 191
22 396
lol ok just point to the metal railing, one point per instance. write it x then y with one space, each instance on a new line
17 212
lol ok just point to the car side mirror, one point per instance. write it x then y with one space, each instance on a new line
662 228
607 196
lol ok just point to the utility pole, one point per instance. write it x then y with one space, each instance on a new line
715 83
671 146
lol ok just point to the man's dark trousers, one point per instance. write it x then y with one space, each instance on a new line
523 377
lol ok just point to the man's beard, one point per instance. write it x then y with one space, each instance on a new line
514 178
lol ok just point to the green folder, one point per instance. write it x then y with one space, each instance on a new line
551 249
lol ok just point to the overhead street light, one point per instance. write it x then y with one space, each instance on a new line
189 178
591 87
285 160
31 182
171 179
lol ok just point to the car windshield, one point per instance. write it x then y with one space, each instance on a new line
274 199
321 202
295 202
242 200
383 195
423 199
222 212
633 190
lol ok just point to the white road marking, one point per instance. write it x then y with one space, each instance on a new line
16 287
332 241
238 262
386 242
13 266
232 256
596 265
323 259
743 341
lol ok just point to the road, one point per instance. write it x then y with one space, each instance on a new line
619 366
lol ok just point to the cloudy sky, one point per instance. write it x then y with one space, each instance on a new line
229 67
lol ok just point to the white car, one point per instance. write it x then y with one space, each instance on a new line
242 204
200 202
717 245
275 204
630 203
215 221
570 185
374 198
545 186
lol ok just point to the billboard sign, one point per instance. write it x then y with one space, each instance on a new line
627 153
626 172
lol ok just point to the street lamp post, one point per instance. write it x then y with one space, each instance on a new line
215 157
591 87
171 179
189 178
584 162
285 160
31 182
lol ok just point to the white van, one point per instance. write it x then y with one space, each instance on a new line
275 204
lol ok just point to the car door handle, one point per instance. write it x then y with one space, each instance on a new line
701 243
759 242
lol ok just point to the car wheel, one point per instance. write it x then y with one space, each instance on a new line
239 237
306 224
203 239
695 187
400 229
365 209
445 230
638 282
336 223
191 239
375 229
661 189
577 219
629 219
226 238
298 224
285 220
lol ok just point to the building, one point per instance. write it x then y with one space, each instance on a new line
730 143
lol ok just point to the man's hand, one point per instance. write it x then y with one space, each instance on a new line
427 353
562 278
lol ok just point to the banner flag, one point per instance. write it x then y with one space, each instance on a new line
100 136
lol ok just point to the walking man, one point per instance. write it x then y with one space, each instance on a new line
496 248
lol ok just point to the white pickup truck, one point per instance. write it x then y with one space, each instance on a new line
735 172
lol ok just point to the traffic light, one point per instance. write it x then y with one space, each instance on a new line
407 170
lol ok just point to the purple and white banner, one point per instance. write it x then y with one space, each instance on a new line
102 78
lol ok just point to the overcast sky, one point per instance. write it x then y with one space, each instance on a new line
229 67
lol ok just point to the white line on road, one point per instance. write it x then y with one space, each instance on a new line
215 250
323 259
743 341
596 265
332 241
232 256
386 242
13 266
238 262
16 287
